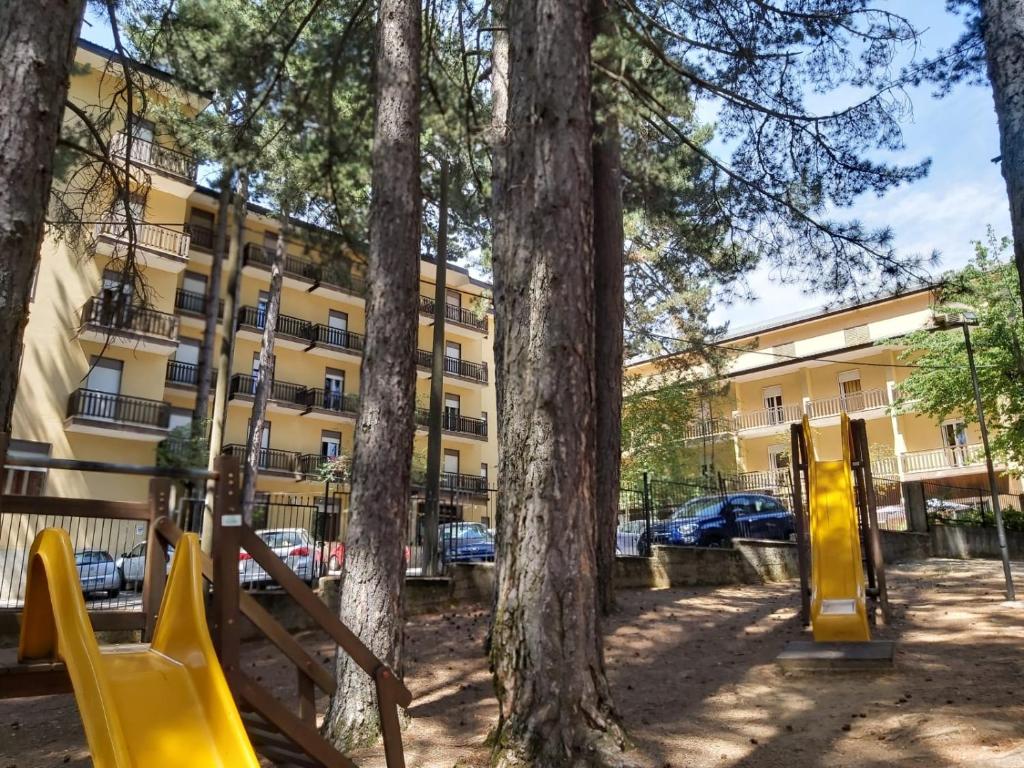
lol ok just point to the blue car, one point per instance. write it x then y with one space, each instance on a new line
466 543
712 521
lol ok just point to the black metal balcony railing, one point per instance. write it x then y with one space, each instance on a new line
170 161
452 421
114 312
338 274
338 338
294 266
454 366
194 303
331 401
202 236
182 373
268 459
280 391
256 317
119 409
455 482
455 313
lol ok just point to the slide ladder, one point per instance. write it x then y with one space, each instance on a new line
161 705
838 595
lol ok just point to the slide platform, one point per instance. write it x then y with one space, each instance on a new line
163 705
838 596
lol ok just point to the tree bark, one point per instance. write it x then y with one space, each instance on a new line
218 419
609 287
265 377
555 706
374 568
204 369
432 516
1002 27
38 39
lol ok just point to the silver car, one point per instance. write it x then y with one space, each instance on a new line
97 572
132 565
293 545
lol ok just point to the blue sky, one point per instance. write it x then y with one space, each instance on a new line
963 194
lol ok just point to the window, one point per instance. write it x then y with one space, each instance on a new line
772 399
452 404
850 393
778 458
104 375
180 417
330 444
201 225
338 320
954 439
453 299
483 470
451 462
187 352
256 369
453 349
270 242
334 388
261 309
19 480
143 129
193 282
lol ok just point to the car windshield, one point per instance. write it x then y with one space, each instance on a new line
697 508
466 533
92 558
279 539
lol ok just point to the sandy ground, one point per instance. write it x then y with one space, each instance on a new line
693 676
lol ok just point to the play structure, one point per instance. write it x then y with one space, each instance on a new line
181 697
842 573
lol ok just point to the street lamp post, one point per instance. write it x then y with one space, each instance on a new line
966 320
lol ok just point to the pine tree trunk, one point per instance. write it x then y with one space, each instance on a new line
265 377
374 563
1002 25
609 287
38 39
553 695
204 368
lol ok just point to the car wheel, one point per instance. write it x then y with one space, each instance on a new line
334 564
112 593
715 543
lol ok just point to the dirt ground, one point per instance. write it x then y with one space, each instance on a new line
693 676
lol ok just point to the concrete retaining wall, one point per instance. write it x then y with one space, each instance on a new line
967 542
898 545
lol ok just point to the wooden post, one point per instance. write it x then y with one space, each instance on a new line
155 576
798 461
5 440
874 537
391 730
227 530
307 698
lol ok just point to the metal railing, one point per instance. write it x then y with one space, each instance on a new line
454 366
857 401
118 409
111 312
182 373
280 391
452 421
321 399
294 266
255 317
455 313
268 459
194 303
170 242
339 338
149 153
339 275
942 458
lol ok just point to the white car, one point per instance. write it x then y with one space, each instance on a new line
132 566
293 545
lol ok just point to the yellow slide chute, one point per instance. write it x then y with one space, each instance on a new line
164 705
838 597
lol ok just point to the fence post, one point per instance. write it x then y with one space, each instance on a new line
915 506
647 514
155 577
227 530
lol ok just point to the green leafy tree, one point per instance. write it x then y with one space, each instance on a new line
940 384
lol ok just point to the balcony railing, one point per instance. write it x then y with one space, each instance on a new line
455 313
169 242
194 303
338 274
268 459
769 417
452 421
336 402
153 155
294 266
858 401
455 482
773 479
256 317
186 374
111 311
118 409
709 428
454 366
280 391
942 458
338 338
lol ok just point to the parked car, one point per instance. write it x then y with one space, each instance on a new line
627 537
465 543
712 521
97 572
293 545
955 511
131 566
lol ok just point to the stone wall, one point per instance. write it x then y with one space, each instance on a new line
901 545
967 542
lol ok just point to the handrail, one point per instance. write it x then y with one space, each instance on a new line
118 409
110 310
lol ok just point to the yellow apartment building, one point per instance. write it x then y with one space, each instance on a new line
105 379
822 364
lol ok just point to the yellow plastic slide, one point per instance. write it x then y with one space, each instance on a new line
838 599
164 705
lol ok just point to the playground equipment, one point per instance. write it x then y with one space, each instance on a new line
159 705
179 701
842 572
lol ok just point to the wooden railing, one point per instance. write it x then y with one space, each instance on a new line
153 155
169 242
111 311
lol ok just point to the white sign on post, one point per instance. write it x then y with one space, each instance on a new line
231 521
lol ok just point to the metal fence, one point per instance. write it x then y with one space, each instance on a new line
947 504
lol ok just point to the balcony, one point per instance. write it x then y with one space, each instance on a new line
336 276
772 480
454 423
941 461
163 160
769 418
298 272
318 400
193 306
105 413
283 395
269 460
454 314
111 319
184 375
291 332
454 366
336 342
852 403
157 247
455 482
709 428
